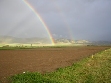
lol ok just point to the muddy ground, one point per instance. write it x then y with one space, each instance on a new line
42 59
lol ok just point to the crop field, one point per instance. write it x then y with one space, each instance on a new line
42 60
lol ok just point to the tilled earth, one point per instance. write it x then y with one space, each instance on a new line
42 59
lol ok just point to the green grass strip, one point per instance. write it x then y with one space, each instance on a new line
94 69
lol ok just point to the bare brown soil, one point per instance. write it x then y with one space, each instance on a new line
42 59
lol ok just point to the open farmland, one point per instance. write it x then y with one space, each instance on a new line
42 59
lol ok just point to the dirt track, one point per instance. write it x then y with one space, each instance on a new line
42 59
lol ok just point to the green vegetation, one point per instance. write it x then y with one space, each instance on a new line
94 69
31 78
34 47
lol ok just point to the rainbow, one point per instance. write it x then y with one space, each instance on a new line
41 20
64 20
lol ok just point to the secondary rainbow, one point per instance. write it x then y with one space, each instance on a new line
39 17
64 20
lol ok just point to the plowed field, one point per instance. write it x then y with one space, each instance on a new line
42 59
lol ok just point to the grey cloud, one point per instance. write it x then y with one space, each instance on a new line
86 19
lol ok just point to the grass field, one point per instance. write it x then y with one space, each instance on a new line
94 69
25 46
36 47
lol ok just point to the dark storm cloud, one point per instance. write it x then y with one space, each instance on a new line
86 19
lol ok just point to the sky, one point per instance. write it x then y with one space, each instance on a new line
71 19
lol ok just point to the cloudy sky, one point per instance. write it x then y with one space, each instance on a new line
75 19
